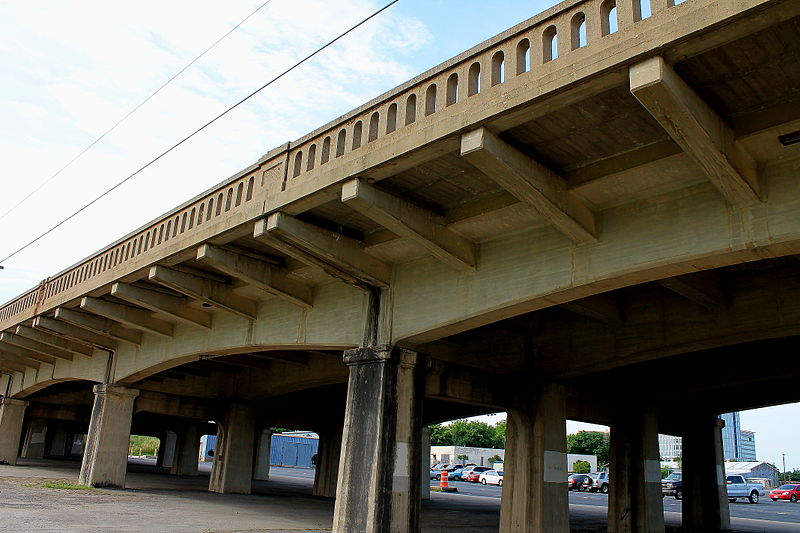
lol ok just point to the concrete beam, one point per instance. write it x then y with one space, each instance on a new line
339 256
699 131
130 316
35 346
19 351
12 366
408 220
531 182
20 360
206 290
600 307
174 306
72 332
54 340
102 327
703 288
256 272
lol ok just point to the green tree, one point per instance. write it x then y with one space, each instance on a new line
590 443
494 459
143 445
500 434
468 433
581 467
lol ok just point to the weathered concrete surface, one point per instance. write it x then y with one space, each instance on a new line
233 461
12 414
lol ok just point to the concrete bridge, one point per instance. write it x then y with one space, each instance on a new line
553 223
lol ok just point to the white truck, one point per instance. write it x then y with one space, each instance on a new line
738 487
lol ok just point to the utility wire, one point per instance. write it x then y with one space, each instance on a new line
201 128
131 112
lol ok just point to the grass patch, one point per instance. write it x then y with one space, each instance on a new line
65 485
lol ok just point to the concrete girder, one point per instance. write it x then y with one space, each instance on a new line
35 346
54 340
702 134
72 332
24 352
337 255
174 306
130 316
100 326
206 290
532 183
20 360
256 272
601 307
412 222
703 288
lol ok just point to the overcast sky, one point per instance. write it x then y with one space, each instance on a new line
70 70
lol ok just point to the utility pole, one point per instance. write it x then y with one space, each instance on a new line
783 456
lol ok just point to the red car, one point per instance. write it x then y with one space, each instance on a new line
474 474
789 492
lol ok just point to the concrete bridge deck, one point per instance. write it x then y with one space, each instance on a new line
544 225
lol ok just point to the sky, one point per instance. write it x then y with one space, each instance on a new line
70 70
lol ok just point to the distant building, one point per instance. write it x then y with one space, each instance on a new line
748 452
480 456
737 444
755 472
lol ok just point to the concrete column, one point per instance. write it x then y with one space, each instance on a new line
57 446
705 495
635 501
12 414
378 486
35 437
170 443
105 456
263 451
425 464
534 498
232 471
327 472
188 452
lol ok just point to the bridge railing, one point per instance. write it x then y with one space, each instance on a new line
548 37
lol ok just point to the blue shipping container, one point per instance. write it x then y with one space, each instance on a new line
285 450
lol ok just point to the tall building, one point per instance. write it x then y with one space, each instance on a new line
737 444
748 450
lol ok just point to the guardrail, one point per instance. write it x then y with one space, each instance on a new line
520 51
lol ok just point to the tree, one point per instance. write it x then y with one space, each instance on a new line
581 467
462 458
495 459
590 443
468 433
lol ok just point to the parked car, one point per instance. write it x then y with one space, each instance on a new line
491 477
739 488
575 482
596 482
456 475
789 492
672 485
473 473
451 472
435 474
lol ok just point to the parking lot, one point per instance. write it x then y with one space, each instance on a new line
157 502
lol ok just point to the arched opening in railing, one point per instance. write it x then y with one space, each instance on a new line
312 156
341 139
161 232
209 211
411 109
358 131
523 56
608 17
298 164
430 99
228 204
200 215
239 195
250 185
577 31
191 219
326 151
217 213
391 118
550 44
452 89
474 79
498 67
373 127
641 10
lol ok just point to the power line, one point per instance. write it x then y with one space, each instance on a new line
201 128
131 112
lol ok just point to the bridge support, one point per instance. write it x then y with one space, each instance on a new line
327 473
425 464
705 494
105 457
635 501
233 460
378 486
166 450
187 451
35 437
12 413
534 498
57 441
263 451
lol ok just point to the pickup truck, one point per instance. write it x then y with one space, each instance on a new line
738 487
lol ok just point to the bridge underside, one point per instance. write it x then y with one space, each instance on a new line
559 246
